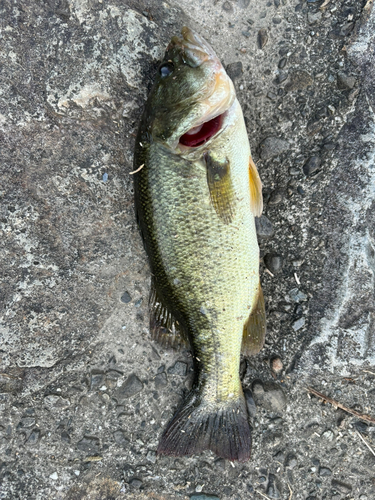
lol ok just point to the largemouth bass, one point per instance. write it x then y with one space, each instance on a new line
197 191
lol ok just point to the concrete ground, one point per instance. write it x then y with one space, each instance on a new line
84 392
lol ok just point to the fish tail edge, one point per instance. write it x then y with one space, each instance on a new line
198 425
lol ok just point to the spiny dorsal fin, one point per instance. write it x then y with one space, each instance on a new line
256 198
254 331
163 326
220 186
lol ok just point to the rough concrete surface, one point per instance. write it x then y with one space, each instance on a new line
84 392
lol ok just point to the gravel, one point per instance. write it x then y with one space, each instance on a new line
312 165
77 363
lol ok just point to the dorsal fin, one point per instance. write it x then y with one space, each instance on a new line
256 198
220 186
163 326
254 331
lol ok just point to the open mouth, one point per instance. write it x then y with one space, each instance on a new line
199 135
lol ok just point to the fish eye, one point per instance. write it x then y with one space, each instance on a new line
166 69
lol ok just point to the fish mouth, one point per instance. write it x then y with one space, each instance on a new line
219 95
200 134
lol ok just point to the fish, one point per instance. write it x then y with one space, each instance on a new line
197 192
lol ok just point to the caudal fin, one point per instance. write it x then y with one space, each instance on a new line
197 426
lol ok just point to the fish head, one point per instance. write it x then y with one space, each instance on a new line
191 93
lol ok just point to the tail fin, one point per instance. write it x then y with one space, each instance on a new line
198 425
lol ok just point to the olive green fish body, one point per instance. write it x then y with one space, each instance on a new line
209 268
194 211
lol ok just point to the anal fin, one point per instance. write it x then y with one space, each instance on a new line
254 331
164 328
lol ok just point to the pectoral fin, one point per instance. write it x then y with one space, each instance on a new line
254 331
163 326
220 186
256 198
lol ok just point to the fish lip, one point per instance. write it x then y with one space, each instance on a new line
195 47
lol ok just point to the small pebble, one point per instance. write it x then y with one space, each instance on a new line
160 380
96 380
294 172
227 7
179 368
105 177
250 403
277 365
275 198
282 63
341 487
297 325
273 262
298 81
54 476
126 298
314 17
272 490
312 165
135 483
314 127
264 227
89 444
65 437
34 437
151 456
272 146
276 20
328 435
283 51
77 472
325 471
234 70
291 461
345 81
262 38
121 439
272 96
129 388
203 496
360 426
269 395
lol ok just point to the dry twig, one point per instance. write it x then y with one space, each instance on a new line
291 492
324 4
263 495
138 169
368 371
366 443
336 404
